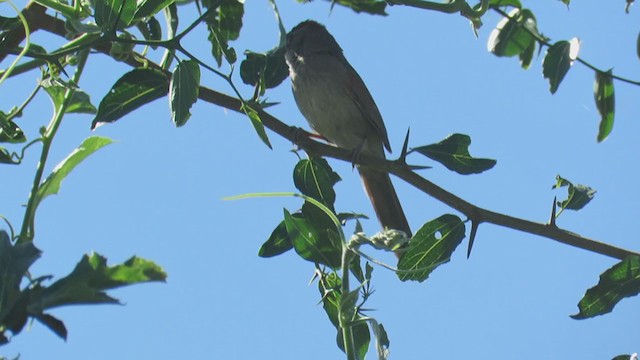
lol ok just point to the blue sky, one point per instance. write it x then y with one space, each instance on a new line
157 193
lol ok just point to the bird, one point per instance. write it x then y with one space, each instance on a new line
338 106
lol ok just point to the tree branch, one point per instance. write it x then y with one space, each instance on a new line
398 168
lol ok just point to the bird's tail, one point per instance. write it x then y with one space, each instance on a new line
384 199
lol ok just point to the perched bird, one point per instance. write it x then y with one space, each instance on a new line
338 106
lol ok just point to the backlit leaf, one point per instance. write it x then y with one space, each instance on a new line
183 90
430 247
578 195
92 276
134 89
605 102
616 283
558 61
453 152
51 185
318 246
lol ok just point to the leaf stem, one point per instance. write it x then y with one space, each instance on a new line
27 232
345 324
542 41
25 103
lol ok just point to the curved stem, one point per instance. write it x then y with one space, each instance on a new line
27 232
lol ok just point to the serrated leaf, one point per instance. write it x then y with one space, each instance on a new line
557 62
224 25
80 101
513 36
315 178
107 12
430 247
313 245
578 195
134 89
270 67
453 152
51 185
91 277
605 102
616 283
146 9
183 90
279 241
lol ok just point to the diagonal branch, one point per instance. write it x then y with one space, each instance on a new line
398 168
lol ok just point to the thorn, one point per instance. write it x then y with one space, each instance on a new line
472 237
405 146
552 221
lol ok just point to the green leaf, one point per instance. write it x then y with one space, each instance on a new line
513 36
361 338
431 247
269 68
321 247
183 90
329 286
638 46
151 30
146 9
224 25
279 241
51 185
373 7
15 260
107 12
91 277
53 324
558 61
453 152
134 89
502 3
566 2
10 132
527 55
616 283
257 123
605 102
5 157
381 336
315 178
579 195
624 357
80 101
